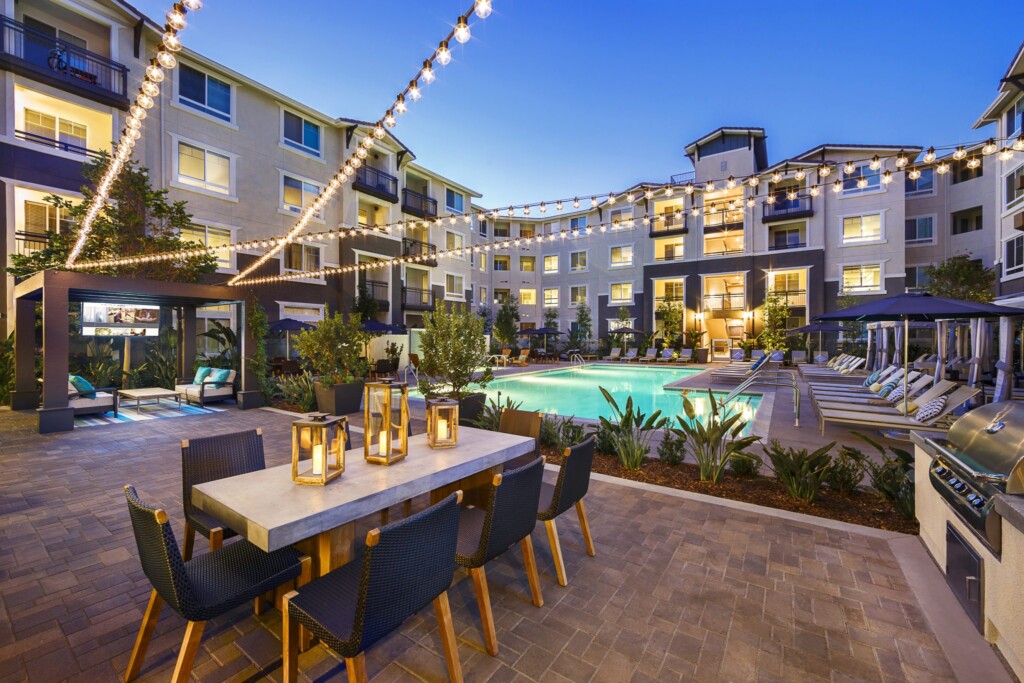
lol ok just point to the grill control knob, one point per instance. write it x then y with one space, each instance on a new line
978 502
960 487
941 471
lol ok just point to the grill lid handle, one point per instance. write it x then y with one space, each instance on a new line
950 455
995 426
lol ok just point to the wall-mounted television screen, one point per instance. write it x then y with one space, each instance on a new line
120 320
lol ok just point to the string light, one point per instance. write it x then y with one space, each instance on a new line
929 156
960 153
989 147
146 99
483 8
462 31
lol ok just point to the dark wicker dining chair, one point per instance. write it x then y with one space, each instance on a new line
404 567
568 491
485 533
209 458
203 588
522 423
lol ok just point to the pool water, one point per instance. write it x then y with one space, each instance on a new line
575 392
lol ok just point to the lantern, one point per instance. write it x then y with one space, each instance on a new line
442 423
319 439
385 422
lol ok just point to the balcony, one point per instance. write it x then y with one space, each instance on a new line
377 290
674 300
33 54
419 205
792 297
26 243
377 183
723 251
787 209
671 225
56 144
417 299
422 252
725 305
779 246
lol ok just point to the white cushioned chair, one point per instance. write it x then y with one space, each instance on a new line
104 400
207 392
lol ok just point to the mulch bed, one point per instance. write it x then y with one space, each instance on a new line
860 508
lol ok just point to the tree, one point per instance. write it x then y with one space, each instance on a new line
672 318
961 277
551 317
488 317
334 348
452 348
776 315
137 220
506 323
855 330
579 336
364 304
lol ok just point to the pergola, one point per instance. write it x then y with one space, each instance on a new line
57 289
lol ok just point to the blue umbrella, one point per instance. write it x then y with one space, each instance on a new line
376 327
289 325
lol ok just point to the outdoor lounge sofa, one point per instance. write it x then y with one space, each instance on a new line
208 390
92 402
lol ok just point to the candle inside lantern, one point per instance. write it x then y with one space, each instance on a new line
384 442
442 429
318 459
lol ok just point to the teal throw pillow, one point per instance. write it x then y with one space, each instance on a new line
872 378
202 373
82 386
219 376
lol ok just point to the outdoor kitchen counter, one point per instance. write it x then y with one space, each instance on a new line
1011 509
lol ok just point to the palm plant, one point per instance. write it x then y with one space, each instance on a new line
801 472
714 444
490 415
631 432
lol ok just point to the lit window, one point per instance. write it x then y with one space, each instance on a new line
298 194
301 133
501 262
578 295
71 135
453 287
621 257
452 240
301 257
528 297
578 261
1015 186
203 168
305 313
862 228
41 218
919 230
1013 260
209 237
621 292
527 264
551 296
851 183
526 231
551 263
621 219
482 294
204 93
452 201
863 278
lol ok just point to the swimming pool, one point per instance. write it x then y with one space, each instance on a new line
574 391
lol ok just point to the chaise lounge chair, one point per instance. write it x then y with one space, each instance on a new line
630 355
523 359
955 400
616 352
649 357
666 356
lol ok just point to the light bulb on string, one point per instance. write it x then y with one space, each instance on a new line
389 119
176 19
427 74
649 194
751 201
960 153
193 5
989 147
929 156
887 177
669 191
973 163
914 173
791 195
400 106
800 174
814 191
483 8
862 183
710 186
172 42
695 211
901 159
155 73
942 168
576 203
611 197
730 183
593 202
776 177
824 170
443 54
849 168
1006 154
753 181
837 186
150 88
688 189
558 205
414 91
462 31
1018 144
875 164
631 198
543 207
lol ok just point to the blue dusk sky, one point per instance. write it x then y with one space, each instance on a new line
556 99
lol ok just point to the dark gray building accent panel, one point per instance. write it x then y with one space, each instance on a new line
605 310
40 168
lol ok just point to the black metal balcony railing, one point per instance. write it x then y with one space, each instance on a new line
783 208
418 204
377 290
56 60
778 246
418 249
55 144
724 302
668 224
723 251
667 299
417 299
376 182
671 253
26 243
792 297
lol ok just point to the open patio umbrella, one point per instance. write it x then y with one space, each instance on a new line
376 327
547 331
819 328
289 325
916 306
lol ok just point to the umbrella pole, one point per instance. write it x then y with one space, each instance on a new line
906 361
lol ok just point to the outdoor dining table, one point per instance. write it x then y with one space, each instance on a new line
272 512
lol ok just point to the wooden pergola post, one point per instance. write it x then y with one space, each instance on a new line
249 396
26 391
186 340
55 415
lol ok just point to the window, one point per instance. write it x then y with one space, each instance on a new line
306 313
207 319
916 277
528 297
209 236
301 257
298 194
578 295
1015 118
1015 186
526 231
453 240
578 261
919 230
452 200
54 128
621 257
852 182
527 264
923 185
551 296
786 237
501 230
481 293
41 218
483 228
668 249
203 168
968 220
577 224
621 292
301 133
550 228
502 295
622 219
453 287
502 262
204 93
863 278
551 263
862 228
1013 260
960 171
786 282
482 263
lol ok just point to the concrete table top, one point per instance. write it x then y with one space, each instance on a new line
272 512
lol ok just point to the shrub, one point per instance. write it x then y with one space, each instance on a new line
800 472
298 391
892 478
603 441
715 444
745 465
847 470
7 369
631 437
560 432
672 449
334 348
490 415
452 347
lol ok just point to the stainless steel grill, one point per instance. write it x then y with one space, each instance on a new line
982 456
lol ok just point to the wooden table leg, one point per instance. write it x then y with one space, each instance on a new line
474 488
330 549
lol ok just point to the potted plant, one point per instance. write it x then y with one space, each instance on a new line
333 350
393 351
694 338
452 348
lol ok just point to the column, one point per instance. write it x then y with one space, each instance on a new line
249 395
55 415
186 341
1004 375
26 390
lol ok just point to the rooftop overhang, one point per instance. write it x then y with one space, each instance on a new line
1010 85
818 153
719 132
118 290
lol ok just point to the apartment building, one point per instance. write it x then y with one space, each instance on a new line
246 158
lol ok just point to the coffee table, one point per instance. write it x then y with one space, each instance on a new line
152 395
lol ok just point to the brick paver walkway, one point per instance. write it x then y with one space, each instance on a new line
679 590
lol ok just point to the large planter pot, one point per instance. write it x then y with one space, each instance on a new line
700 355
470 408
340 399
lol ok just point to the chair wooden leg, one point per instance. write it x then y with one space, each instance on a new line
216 539
305 576
483 601
556 551
581 511
447 631
407 508
289 642
385 515
189 648
190 539
531 571
258 605
145 634
356 668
